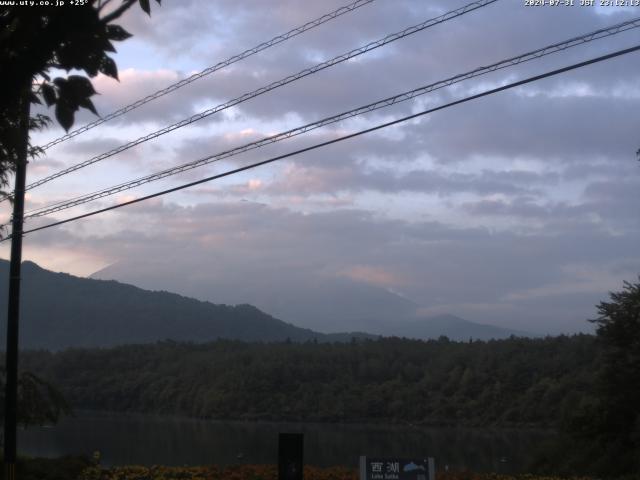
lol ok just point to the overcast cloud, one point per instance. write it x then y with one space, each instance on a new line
519 209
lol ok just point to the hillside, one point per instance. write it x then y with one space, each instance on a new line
450 326
60 310
322 302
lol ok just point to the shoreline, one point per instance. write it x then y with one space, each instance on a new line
386 423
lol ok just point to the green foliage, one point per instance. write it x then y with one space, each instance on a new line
615 423
39 403
72 93
619 379
36 40
604 426
525 382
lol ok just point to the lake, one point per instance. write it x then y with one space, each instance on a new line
150 439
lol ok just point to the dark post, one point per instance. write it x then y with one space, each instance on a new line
290 450
13 316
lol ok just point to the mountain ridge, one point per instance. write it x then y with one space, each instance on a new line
323 301
61 311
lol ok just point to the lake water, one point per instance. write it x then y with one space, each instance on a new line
148 440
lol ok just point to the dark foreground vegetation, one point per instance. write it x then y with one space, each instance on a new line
82 469
64 468
533 382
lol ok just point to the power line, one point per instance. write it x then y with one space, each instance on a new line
345 137
291 78
218 66
554 48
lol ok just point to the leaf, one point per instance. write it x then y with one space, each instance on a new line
117 33
88 104
39 121
33 98
73 93
108 67
64 114
49 94
108 47
81 87
92 64
144 5
76 52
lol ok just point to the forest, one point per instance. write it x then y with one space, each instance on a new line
584 387
514 382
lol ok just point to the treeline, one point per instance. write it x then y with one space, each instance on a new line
518 381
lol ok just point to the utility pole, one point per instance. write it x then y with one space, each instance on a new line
13 316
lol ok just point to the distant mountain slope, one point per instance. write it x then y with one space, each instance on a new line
449 326
60 310
325 303
321 302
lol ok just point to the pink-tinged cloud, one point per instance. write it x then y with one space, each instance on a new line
133 85
373 275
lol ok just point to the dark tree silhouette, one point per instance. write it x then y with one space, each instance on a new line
619 381
35 40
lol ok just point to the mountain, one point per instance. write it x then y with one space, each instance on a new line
303 297
450 326
322 302
60 311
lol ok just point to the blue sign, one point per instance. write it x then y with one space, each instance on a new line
396 469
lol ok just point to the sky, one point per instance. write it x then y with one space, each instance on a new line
519 209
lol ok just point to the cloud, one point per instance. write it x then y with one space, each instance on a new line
331 91
518 209
372 275
431 263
